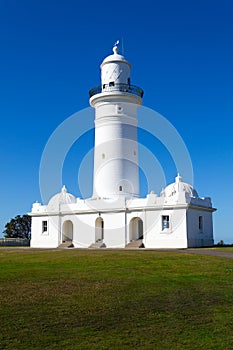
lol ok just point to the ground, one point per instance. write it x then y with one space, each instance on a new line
116 299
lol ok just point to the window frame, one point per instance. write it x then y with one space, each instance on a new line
200 223
44 226
165 219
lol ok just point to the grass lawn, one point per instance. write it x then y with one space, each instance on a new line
223 249
80 299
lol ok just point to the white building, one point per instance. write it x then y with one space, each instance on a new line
115 216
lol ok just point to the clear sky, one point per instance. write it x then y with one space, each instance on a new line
182 57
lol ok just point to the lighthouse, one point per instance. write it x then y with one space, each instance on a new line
115 215
116 146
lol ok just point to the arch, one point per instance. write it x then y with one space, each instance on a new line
67 231
135 229
99 229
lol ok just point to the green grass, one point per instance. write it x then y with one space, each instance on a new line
224 249
79 299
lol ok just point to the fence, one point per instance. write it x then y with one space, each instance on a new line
14 242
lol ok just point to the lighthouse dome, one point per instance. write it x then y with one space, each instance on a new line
62 197
115 57
178 187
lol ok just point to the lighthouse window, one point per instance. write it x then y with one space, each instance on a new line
44 226
104 86
103 155
200 223
120 188
111 83
165 222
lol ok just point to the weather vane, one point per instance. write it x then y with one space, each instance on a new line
117 43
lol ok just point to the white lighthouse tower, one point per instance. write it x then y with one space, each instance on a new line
116 148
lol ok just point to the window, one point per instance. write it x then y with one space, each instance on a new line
200 223
165 222
103 156
44 226
99 229
111 83
120 188
104 86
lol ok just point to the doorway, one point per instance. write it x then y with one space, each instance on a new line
67 231
135 229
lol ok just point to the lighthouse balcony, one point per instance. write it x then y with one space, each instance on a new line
116 87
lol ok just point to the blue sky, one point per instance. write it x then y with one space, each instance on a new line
182 54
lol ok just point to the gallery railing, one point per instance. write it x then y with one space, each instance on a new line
132 89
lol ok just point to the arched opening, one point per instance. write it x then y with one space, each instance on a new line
67 231
99 229
135 229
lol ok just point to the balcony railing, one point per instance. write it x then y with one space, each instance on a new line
131 89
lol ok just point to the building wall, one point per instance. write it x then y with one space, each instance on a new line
83 229
182 231
46 239
114 229
199 236
172 237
